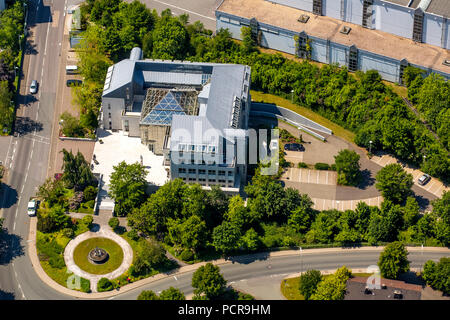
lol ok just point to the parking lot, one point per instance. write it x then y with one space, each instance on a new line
310 176
433 186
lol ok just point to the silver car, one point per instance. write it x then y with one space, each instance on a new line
33 87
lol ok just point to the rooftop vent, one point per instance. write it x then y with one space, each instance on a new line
345 30
303 18
446 62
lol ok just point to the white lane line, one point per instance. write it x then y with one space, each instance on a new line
198 14
175 278
21 191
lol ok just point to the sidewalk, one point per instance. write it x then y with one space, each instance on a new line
63 103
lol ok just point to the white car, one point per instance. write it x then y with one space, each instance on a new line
32 206
33 87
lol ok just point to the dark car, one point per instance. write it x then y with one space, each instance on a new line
424 179
73 82
294 147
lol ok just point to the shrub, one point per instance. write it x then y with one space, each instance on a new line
147 295
68 232
245 296
75 201
90 204
187 255
302 165
90 193
333 167
113 223
104 285
321 166
85 285
87 221
133 235
57 262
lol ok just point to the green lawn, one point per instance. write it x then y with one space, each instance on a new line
289 289
115 252
270 98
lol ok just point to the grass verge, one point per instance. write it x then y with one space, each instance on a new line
339 131
80 255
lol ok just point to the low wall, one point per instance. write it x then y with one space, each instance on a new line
288 114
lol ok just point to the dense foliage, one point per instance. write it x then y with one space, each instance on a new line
333 287
393 260
11 36
394 183
347 167
308 283
437 275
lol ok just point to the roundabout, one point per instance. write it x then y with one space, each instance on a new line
96 255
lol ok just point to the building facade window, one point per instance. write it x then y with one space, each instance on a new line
181 170
192 171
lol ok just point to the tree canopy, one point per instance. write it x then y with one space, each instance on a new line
394 183
393 260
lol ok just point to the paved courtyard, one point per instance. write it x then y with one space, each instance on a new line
117 147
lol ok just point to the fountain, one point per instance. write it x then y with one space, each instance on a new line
98 255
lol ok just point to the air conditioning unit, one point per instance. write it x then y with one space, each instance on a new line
345 30
446 62
303 18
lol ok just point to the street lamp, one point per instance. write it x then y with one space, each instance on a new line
370 146
292 96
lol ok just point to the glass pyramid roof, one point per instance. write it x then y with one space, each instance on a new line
162 113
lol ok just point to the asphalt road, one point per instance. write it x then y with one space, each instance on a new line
270 270
31 146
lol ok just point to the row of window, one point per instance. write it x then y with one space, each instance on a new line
203 181
203 171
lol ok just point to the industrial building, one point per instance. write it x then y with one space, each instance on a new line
195 114
384 35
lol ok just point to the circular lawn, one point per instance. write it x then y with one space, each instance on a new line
115 252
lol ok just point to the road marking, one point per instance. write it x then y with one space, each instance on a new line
198 14
21 191
14 229
175 278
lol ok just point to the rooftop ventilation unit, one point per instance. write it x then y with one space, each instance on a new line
446 62
303 18
345 30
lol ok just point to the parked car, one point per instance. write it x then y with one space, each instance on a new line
424 179
294 147
73 82
32 207
33 87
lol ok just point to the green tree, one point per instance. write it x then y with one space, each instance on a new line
250 240
170 39
150 256
189 234
6 109
394 183
225 237
172 294
333 287
77 172
148 295
308 283
437 275
51 191
127 187
70 125
248 43
411 212
393 260
207 281
347 167
53 219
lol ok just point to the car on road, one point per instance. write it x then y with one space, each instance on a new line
73 82
32 207
424 179
33 87
294 147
